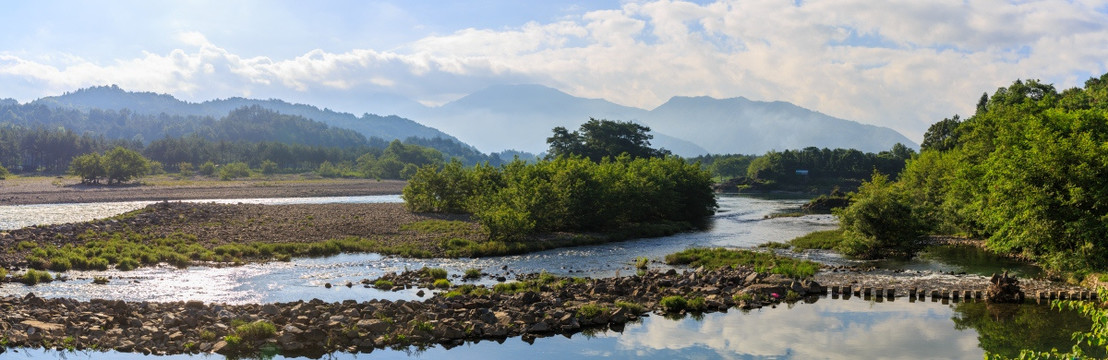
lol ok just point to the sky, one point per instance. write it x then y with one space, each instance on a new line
904 64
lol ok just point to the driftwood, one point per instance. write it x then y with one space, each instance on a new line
1003 289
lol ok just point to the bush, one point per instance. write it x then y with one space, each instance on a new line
630 306
269 167
207 169
442 284
383 284
472 274
758 261
186 168
234 170
879 222
32 277
4 173
435 273
258 330
673 303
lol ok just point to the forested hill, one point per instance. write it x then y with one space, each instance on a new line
147 103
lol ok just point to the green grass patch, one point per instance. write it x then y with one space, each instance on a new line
383 284
824 240
641 262
774 245
631 307
3 273
472 274
673 303
258 330
467 289
589 311
434 273
442 284
759 261
32 277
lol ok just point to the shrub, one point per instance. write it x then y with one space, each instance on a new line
589 311
3 274
641 262
234 170
4 173
32 277
442 284
673 303
185 168
758 261
207 168
269 167
383 284
472 274
258 330
879 222
435 273
630 306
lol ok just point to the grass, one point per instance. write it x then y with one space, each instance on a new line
442 284
774 245
434 273
759 261
3 273
423 326
472 274
32 277
544 279
673 303
258 330
383 284
589 311
467 289
631 307
825 240
641 262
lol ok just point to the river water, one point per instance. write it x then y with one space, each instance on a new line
836 329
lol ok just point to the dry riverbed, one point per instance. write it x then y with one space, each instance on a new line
49 190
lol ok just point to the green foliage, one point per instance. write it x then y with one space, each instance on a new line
761 262
589 311
383 284
258 330
598 139
824 240
566 194
122 165
634 308
1025 171
1096 339
207 168
233 171
4 173
33 277
472 274
88 167
329 170
442 284
269 167
879 222
641 262
434 273
674 303
3 274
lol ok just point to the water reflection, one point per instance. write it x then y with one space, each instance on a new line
826 329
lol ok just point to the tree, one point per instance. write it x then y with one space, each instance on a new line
4 172
731 166
122 165
598 139
941 136
233 170
88 167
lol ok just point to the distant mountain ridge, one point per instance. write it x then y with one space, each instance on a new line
521 117
114 98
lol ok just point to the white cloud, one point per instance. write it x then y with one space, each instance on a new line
902 64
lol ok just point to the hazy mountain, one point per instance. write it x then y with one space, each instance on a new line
739 125
114 98
522 116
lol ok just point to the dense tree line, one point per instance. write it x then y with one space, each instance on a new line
566 194
1027 171
596 183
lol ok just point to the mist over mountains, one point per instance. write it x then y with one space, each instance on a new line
520 117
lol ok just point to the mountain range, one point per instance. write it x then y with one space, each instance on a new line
520 117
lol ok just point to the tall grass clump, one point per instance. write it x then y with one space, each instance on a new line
758 261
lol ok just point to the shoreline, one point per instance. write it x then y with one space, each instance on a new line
50 190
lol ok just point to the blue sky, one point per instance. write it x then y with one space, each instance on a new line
902 64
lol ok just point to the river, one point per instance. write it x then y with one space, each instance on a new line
824 329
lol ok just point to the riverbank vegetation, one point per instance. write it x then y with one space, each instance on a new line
1026 172
633 193
762 262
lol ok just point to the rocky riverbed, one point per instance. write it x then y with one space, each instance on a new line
564 306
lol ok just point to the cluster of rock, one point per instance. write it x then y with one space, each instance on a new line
317 327
1004 289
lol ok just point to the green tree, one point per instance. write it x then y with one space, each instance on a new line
879 221
4 173
185 168
941 136
598 139
122 165
233 171
269 167
207 168
732 166
88 167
